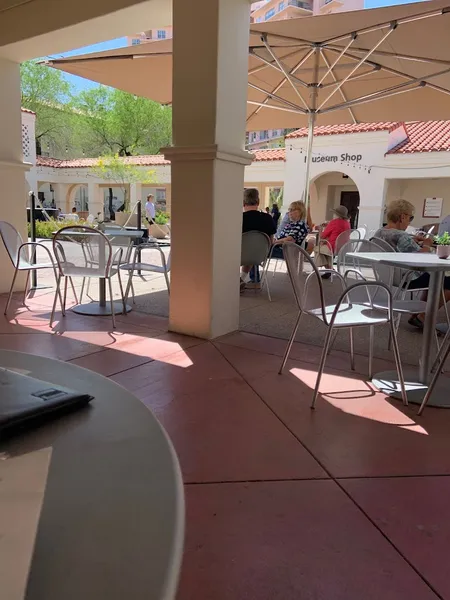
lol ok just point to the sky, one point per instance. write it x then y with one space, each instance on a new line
80 84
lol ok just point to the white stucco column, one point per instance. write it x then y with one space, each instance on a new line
208 160
95 200
61 191
372 193
14 188
136 194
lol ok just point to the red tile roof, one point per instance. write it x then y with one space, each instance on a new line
269 154
340 129
425 136
152 160
27 110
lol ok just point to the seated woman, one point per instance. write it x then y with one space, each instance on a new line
295 230
399 215
340 223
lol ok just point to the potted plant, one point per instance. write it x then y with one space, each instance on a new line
159 228
443 245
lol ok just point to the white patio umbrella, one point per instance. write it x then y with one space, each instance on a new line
341 68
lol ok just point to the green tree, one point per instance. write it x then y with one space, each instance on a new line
48 94
116 169
115 122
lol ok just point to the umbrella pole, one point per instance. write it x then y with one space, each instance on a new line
311 123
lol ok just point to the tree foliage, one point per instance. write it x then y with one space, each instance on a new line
122 123
95 122
115 168
48 94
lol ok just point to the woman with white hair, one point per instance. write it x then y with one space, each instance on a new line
399 215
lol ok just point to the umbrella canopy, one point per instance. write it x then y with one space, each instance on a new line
384 64
344 67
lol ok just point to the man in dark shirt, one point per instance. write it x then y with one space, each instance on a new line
254 220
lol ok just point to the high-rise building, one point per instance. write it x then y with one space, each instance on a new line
275 10
163 33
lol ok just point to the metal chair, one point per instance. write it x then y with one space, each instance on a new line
362 232
138 265
344 237
347 313
85 252
116 242
23 257
255 250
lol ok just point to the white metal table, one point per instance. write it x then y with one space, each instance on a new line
112 519
103 308
416 381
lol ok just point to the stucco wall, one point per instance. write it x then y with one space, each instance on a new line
416 190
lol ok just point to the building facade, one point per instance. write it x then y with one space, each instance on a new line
363 166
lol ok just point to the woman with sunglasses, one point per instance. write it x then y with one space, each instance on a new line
399 215
295 229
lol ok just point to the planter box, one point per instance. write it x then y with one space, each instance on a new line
443 251
123 219
158 231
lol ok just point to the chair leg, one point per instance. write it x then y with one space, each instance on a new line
433 382
25 291
73 290
398 364
352 351
275 267
268 290
166 277
65 296
330 348
121 292
323 359
291 341
371 336
8 302
113 316
57 295
82 290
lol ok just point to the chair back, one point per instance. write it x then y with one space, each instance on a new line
344 237
82 251
255 248
12 240
362 232
359 265
307 286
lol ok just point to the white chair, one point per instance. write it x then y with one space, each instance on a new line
87 253
138 265
23 256
362 232
347 313
344 237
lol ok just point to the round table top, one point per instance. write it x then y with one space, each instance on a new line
112 519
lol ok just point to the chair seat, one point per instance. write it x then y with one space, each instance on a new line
73 271
24 265
143 267
352 315
404 306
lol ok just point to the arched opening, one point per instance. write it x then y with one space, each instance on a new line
46 194
331 189
78 197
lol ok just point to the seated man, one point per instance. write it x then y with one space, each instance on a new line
254 220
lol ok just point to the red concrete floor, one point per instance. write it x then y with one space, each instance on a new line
349 502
